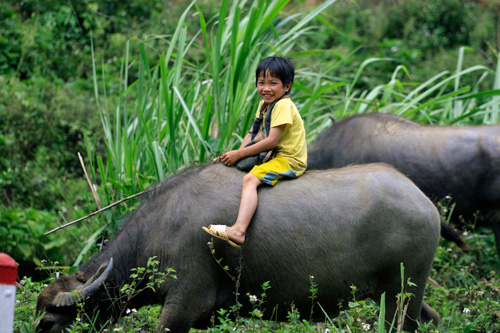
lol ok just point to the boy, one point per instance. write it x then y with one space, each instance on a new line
274 78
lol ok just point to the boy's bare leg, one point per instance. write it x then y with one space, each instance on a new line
248 205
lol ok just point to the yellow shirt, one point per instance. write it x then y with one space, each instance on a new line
292 144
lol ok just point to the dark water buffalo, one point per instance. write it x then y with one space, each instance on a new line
352 226
458 161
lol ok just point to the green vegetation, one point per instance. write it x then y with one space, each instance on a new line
143 90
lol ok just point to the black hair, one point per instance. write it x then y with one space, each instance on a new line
277 66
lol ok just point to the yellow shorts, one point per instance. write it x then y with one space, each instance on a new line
273 171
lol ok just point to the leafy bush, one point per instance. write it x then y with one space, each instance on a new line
428 26
42 126
21 236
414 33
51 38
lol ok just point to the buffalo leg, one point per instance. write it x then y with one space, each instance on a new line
179 315
450 234
429 314
491 218
496 231
391 304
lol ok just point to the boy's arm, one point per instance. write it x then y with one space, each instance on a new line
231 157
246 140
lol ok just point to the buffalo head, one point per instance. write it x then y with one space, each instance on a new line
60 298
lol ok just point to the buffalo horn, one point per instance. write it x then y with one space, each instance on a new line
87 290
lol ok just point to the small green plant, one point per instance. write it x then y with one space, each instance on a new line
225 268
234 310
257 303
145 319
403 299
293 315
358 313
84 322
24 311
143 278
313 288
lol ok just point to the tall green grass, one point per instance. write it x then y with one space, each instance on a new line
181 112
440 99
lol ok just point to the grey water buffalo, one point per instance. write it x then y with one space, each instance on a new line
352 226
462 162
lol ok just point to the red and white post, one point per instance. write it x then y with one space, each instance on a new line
8 276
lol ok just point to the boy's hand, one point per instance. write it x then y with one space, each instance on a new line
230 158
217 159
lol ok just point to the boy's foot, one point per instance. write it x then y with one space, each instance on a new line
219 231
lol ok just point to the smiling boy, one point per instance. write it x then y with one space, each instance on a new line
274 79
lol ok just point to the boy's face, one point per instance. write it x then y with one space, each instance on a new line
270 87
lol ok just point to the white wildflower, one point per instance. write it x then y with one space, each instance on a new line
466 310
365 326
253 298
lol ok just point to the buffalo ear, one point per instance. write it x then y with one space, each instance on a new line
86 290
